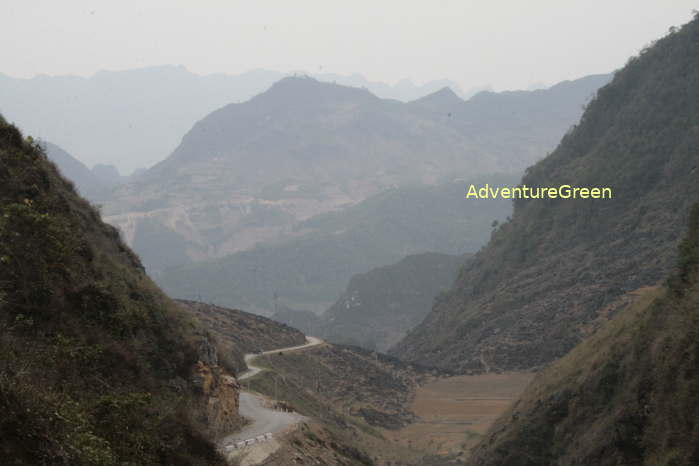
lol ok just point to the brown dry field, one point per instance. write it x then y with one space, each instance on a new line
453 413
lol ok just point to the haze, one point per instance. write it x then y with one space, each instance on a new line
507 45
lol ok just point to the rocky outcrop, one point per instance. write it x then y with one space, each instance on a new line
217 392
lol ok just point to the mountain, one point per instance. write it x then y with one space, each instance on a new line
626 395
138 116
380 306
95 184
73 169
560 267
311 271
248 173
97 366
404 90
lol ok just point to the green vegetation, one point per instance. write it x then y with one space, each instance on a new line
626 395
557 271
88 345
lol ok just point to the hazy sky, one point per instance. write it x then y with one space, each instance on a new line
508 44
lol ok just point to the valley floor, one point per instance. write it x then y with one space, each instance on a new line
454 412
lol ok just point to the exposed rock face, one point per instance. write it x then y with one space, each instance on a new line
218 391
220 399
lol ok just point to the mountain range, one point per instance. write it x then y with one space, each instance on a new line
137 117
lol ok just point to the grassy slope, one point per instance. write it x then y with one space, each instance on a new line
540 284
88 345
627 395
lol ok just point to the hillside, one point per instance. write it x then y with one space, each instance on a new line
249 173
558 269
380 306
627 395
97 366
240 333
311 272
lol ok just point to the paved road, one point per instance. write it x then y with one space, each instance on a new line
253 369
264 420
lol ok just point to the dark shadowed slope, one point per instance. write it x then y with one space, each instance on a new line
627 395
97 366
561 265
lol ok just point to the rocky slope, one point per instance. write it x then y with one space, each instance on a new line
97 366
380 306
548 277
627 395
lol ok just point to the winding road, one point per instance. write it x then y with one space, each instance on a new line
264 420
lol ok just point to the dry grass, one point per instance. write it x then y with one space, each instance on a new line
454 412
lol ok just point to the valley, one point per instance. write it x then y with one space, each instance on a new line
281 268
454 413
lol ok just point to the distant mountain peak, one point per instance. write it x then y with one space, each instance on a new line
304 87
444 99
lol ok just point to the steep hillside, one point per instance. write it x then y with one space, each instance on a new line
627 395
560 266
380 306
240 332
97 366
312 271
249 172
